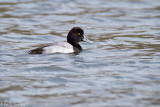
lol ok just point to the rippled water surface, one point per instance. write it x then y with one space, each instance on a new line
121 68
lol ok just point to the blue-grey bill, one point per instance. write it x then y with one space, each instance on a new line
87 40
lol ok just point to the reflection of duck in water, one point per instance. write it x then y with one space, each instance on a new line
75 35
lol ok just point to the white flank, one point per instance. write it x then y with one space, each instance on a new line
59 47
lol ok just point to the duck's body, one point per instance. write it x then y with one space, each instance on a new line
75 35
60 47
57 47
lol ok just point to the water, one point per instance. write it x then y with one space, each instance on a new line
121 68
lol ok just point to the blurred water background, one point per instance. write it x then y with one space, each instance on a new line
121 68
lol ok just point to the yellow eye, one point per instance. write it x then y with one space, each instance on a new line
79 34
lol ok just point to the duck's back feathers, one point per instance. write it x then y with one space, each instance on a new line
38 50
57 47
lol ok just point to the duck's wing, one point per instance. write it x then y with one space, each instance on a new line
40 49
59 47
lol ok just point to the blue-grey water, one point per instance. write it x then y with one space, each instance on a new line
121 68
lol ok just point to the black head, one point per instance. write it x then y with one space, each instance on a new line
75 35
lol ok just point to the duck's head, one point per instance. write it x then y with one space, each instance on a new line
75 35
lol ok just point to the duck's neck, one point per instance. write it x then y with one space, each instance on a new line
75 46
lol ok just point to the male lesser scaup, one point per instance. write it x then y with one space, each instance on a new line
74 36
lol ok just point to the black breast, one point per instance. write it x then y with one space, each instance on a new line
77 48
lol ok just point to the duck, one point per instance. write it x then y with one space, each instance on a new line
75 35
